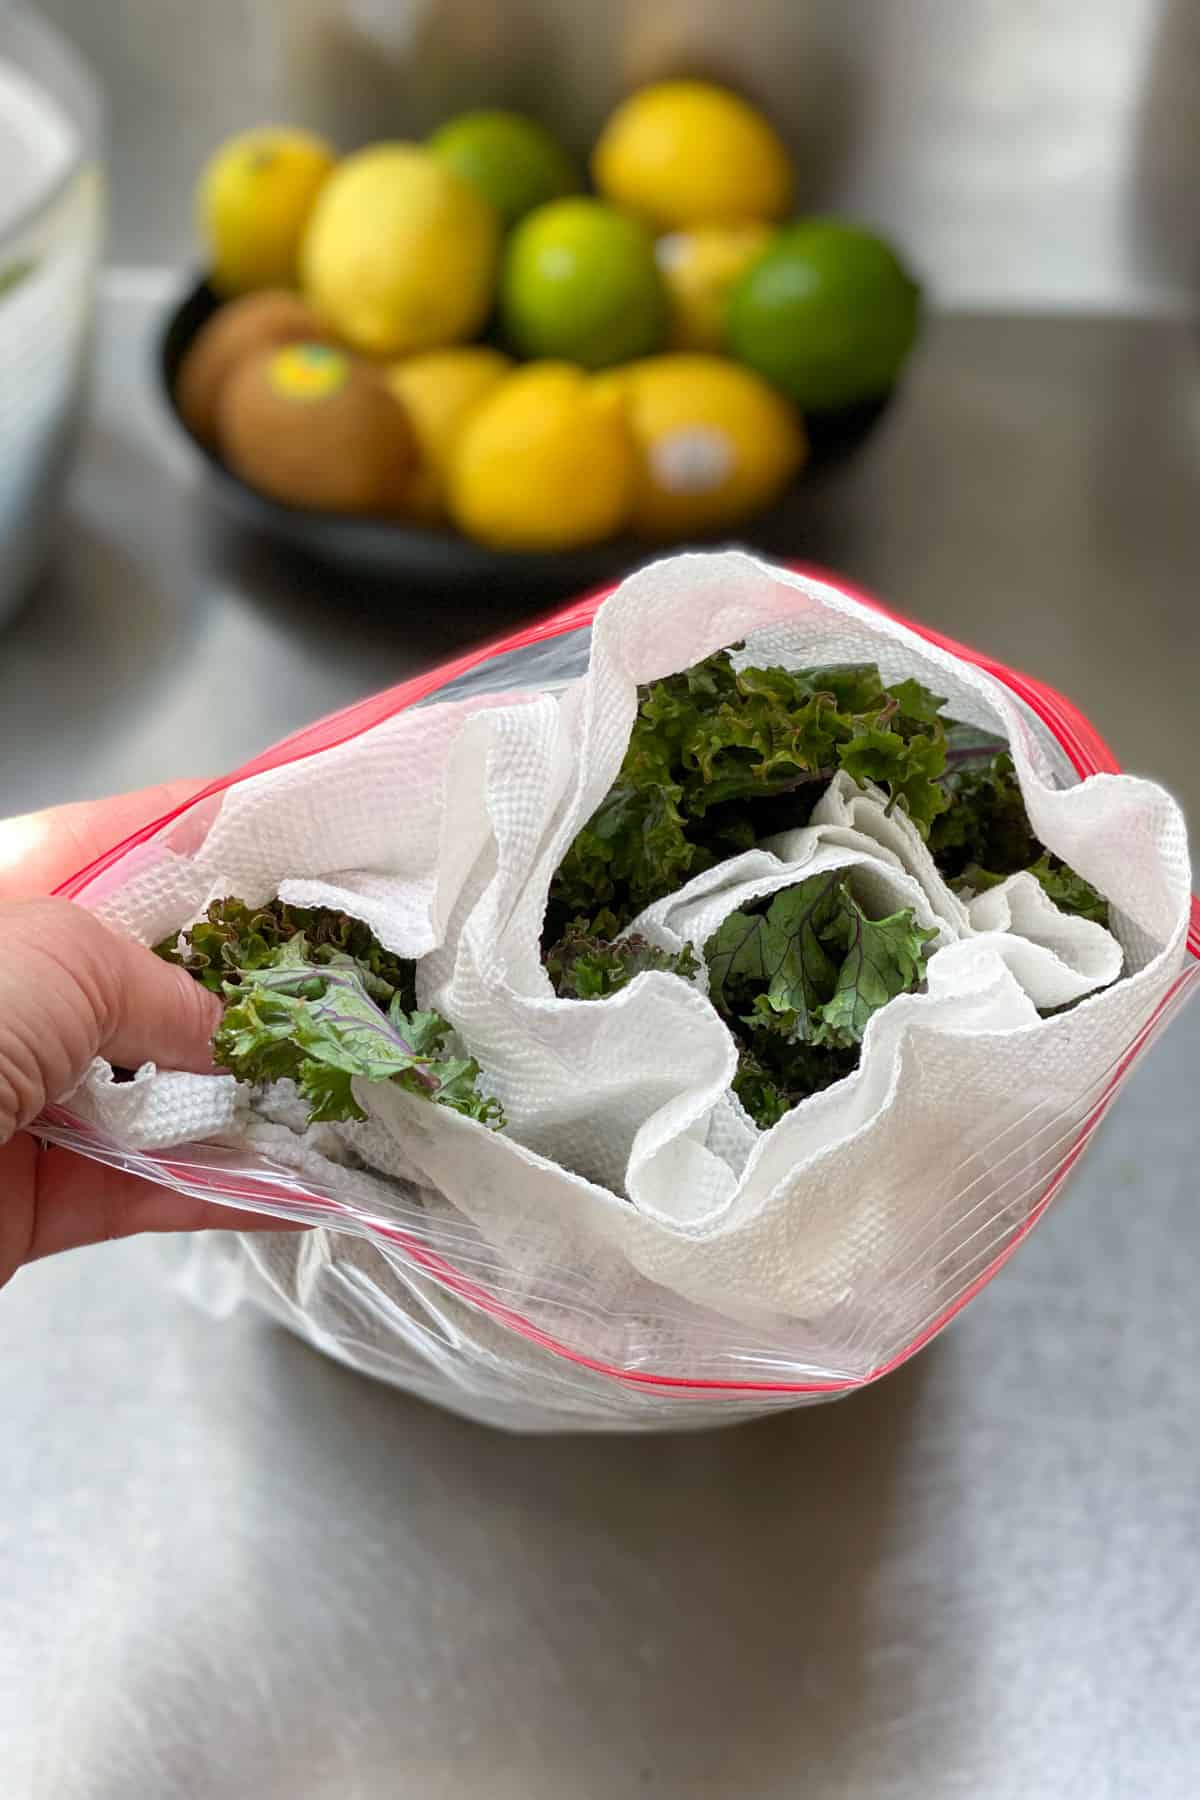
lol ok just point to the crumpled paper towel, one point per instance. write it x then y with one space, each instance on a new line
627 1160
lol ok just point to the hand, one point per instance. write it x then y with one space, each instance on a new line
70 990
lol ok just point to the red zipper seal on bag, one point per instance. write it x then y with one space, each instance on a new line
1081 742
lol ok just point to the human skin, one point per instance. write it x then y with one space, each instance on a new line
71 990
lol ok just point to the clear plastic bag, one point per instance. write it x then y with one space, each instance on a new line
398 1281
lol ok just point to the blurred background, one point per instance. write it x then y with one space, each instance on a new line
229 1565
1027 153
1028 483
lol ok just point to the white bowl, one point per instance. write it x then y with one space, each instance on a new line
51 219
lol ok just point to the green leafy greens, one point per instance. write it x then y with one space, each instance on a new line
798 977
585 966
720 759
312 997
233 937
985 835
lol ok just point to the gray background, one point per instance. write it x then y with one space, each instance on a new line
229 1568
1026 152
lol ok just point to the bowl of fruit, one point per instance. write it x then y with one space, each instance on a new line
456 359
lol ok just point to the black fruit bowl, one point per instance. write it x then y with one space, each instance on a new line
428 559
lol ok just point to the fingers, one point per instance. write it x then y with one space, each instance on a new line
158 1013
71 990
70 1201
39 850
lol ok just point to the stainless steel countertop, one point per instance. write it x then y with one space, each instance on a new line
230 1568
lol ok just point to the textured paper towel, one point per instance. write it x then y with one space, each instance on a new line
864 1209
159 1108
1056 957
368 825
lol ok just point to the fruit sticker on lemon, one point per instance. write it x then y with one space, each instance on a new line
714 443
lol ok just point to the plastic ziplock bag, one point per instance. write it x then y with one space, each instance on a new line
409 1277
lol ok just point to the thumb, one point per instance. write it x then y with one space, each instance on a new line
70 989
156 1012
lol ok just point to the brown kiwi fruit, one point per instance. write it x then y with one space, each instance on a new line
312 426
258 321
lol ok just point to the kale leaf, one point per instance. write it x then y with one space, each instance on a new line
795 978
584 966
810 965
985 821
798 977
774 1077
720 758
311 996
883 958
232 937
984 836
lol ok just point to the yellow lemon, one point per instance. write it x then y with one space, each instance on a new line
439 389
545 462
698 268
690 153
400 252
715 443
254 199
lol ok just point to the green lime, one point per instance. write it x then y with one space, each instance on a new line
580 283
827 314
514 162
